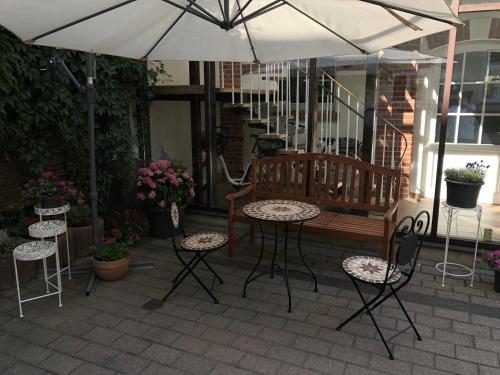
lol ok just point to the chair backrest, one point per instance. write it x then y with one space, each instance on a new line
326 180
174 221
406 242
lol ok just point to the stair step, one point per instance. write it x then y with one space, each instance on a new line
290 151
279 136
236 105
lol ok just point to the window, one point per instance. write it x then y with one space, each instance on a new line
474 112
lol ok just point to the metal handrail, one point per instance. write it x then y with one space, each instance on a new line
404 139
343 87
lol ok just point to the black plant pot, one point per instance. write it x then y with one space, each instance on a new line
51 203
158 220
497 281
462 194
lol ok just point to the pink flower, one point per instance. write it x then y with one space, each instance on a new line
140 196
191 192
47 174
115 232
148 181
152 194
80 201
145 172
161 204
185 175
174 180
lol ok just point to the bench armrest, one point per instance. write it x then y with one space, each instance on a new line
230 198
390 214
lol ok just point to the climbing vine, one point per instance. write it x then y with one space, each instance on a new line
43 116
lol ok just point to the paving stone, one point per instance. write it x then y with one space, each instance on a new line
191 344
160 335
356 370
219 335
195 364
277 336
456 366
271 321
68 344
244 328
97 353
162 354
130 344
486 344
127 363
435 346
415 356
312 345
252 345
105 319
419 370
335 336
131 327
433 321
323 364
454 338
156 369
90 369
240 314
452 314
102 335
189 328
295 370
60 363
224 354
348 354
472 329
306 329
484 370
215 320
260 364
477 356
384 364
287 354
485 321
21 368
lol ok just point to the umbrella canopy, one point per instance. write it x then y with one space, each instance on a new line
224 30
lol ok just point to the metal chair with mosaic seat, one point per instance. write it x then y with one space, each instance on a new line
392 274
199 245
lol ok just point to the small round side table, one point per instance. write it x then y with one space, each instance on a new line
57 211
36 250
452 212
285 212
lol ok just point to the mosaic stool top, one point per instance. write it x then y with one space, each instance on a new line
35 250
52 211
281 210
369 269
47 228
204 241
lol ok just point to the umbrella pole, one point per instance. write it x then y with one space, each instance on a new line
90 119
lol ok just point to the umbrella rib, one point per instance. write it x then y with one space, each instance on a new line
80 20
240 10
405 10
248 34
221 10
193 12
168 30
324 26
259 12
404 21
192 2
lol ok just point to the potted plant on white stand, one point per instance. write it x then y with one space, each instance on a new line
464 184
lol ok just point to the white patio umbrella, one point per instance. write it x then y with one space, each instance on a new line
219 30
224 30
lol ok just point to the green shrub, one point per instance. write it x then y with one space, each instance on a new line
79 216
8 245
472 173
111 251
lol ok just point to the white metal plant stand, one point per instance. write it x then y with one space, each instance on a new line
36 250
56 211
451 212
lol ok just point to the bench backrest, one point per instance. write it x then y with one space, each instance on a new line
326 180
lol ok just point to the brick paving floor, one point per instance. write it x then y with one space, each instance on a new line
109 332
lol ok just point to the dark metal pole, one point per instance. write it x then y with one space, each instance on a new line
210 125
370 102
444 123
90 114
313 106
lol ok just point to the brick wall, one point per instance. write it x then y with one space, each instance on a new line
232 123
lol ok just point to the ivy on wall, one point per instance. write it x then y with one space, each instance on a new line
43 116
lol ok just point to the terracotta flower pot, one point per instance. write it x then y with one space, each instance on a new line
112 271
26 272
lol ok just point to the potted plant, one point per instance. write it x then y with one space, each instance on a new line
463 184
493 260
26 270
127 224
43 190
80 230
158 184
112 259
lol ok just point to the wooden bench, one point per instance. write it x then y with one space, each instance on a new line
332 182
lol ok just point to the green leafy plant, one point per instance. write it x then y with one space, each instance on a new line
126 225
472 173
16 220
79 216
112 250
8 245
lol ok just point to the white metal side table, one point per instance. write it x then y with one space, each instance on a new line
57 211
451 212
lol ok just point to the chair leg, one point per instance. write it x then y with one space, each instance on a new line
180 279
254 269
231 245
419 338
181 272
357 313
391 357
210 268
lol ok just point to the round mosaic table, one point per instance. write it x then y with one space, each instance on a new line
280 212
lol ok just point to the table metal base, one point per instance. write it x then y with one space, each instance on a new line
276 267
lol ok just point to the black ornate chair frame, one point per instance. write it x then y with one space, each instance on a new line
402 259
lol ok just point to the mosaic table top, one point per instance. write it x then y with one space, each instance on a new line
280 210
204 241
